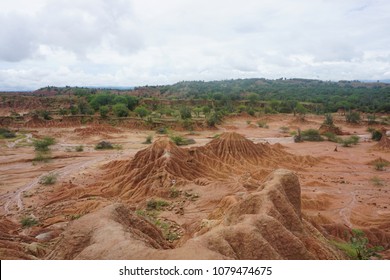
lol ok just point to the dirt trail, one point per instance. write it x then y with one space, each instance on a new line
15 199
12 145
345 212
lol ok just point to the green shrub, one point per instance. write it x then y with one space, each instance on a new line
104 145
346 142
141 111
181 141
28 222
188 124
120 110
79 148
380 165
154 204
262 124
359 242
43 144
352 117
328 120
376 135
311 135
48 179
148 139
358 247
5 133
355 139
377 181
213 119
103 110
332 137
185 112
162 130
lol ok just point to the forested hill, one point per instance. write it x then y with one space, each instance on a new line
373 96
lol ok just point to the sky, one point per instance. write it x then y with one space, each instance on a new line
155 42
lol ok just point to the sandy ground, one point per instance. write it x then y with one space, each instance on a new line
342 189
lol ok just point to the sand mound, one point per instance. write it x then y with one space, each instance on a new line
384 143
330 128
154 170
266 224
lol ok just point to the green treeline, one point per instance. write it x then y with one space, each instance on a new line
347 95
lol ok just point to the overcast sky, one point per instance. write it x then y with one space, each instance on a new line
140 42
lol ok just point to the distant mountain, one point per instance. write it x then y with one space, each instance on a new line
376 81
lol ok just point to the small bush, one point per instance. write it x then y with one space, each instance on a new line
347 142
104 145
79 148
185 112
48 179
328 120
28 222
5 133
311 135
154 204
120 110
104 110
355 139
332 137
162 130
352 117
181 141
174 193
380 165
213 119
376 135
377 181
148 139
43 144
262 124
141 111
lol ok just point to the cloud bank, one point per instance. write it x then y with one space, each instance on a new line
128 43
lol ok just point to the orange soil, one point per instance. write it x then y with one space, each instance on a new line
215 182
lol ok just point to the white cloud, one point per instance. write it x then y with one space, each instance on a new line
124 42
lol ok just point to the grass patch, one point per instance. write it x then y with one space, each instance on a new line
28 222
381 165
156 204
181 141
262 124
376 181
348 142
49 179
330 136
346 247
